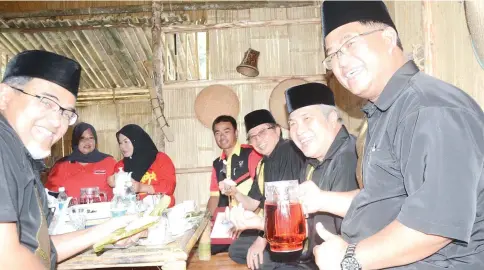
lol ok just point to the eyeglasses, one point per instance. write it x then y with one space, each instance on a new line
260 134
68 115
347 48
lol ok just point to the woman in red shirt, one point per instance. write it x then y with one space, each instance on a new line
85 167
151 171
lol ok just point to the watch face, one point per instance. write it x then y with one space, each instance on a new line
350 263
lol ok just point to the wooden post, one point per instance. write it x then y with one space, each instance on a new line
156 92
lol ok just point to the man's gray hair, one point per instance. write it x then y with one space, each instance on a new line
327 110
17 81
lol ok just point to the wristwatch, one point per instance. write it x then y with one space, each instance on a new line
262 234
349 261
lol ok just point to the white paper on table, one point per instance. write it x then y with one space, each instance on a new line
221 227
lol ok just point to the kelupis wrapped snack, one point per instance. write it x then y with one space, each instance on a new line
135 226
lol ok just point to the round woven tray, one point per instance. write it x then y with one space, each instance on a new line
216 100
277 100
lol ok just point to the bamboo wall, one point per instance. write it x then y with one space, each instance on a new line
435 33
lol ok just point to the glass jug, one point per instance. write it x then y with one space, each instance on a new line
285 225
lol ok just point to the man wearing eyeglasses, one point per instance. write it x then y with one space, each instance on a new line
317 130
37 104
281 161
422 205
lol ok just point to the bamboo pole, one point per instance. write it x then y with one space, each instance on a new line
173 85
156 92
194 170
245 80
170 6
167 27
239 24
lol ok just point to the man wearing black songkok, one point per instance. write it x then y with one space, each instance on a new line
281 161
37 104
422 205
317 130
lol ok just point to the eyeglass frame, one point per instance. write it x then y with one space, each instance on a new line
60 108
342 49
260 133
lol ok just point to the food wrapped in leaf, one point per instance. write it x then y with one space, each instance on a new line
133 228
161 206
136 226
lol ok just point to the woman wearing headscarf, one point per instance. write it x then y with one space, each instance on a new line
85 167
151 171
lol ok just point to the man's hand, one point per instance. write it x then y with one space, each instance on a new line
255 254
132 239
330 253
228 187
309 197
113 224
243 219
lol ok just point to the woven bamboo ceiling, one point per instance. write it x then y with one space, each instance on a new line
113 45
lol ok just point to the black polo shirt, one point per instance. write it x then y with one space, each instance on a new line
284 163
19 203
423 166
240 166
336 172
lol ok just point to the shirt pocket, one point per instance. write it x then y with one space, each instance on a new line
382 168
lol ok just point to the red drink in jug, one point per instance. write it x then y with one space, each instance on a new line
285 226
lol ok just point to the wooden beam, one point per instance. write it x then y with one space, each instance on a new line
107 91
110 101
193 170
171 85
156 92
170 6
246 80
174 28
93 98
168 27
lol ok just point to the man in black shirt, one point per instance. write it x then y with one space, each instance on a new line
317 130
422 204
37 98
281 161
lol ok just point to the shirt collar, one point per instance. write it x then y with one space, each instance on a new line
393 89
236 151
339 140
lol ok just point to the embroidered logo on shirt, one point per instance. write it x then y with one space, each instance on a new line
148 178
100 172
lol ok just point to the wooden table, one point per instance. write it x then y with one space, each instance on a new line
172 256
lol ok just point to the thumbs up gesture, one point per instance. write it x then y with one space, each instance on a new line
330 253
